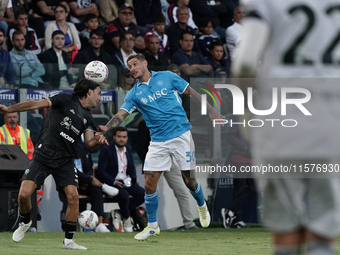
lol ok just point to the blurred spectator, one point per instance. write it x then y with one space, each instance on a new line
6 16
175 69
216 60
191 63
121 24
94 52
157 61
31 40
146 10
172 13
206 28
91 23
109 11
158 23
34 20
234 32
15 134
175 30
79 8
126 83
45 9
212 9
57 63
69 30
27 67
127 42
116 168
6 67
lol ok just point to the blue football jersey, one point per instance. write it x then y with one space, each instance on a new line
160 104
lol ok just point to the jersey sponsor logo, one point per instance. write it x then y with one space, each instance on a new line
72 111
158 94
160 83
67 137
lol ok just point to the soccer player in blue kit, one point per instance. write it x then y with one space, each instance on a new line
156 96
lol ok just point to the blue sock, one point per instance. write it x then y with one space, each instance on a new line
151 205
198 194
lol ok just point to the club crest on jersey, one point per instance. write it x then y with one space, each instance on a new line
144 100
66 123
160 83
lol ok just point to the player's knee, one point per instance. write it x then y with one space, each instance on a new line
191 184
73 199
24 196
150 188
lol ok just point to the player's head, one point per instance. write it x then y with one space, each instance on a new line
120 136
11 119
87 90
137 64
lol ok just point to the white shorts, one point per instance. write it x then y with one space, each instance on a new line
179 150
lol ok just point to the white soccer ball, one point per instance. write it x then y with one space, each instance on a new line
88 219
96 71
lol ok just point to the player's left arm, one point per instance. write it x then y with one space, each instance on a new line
92 140
26 106
213 114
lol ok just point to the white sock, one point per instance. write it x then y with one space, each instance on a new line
67 241
154 224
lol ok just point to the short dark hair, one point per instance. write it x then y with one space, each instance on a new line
139 56
153 35
97 32
120 129
214 44
89 17
17 32
82 87
122 35
19 12
205 21
2 30
62 6
158 17
184 33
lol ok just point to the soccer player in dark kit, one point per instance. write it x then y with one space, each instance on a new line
55 150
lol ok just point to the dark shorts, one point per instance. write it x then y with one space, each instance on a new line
64 175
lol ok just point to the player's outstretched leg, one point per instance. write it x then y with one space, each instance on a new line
201 205
152 229
19 233
26 189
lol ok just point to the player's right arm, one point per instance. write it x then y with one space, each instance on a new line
25 106
115 121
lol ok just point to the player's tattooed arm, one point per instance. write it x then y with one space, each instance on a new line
116 120
151 173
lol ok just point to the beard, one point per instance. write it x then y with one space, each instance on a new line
119 145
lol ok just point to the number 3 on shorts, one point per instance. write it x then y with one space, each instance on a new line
190 155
